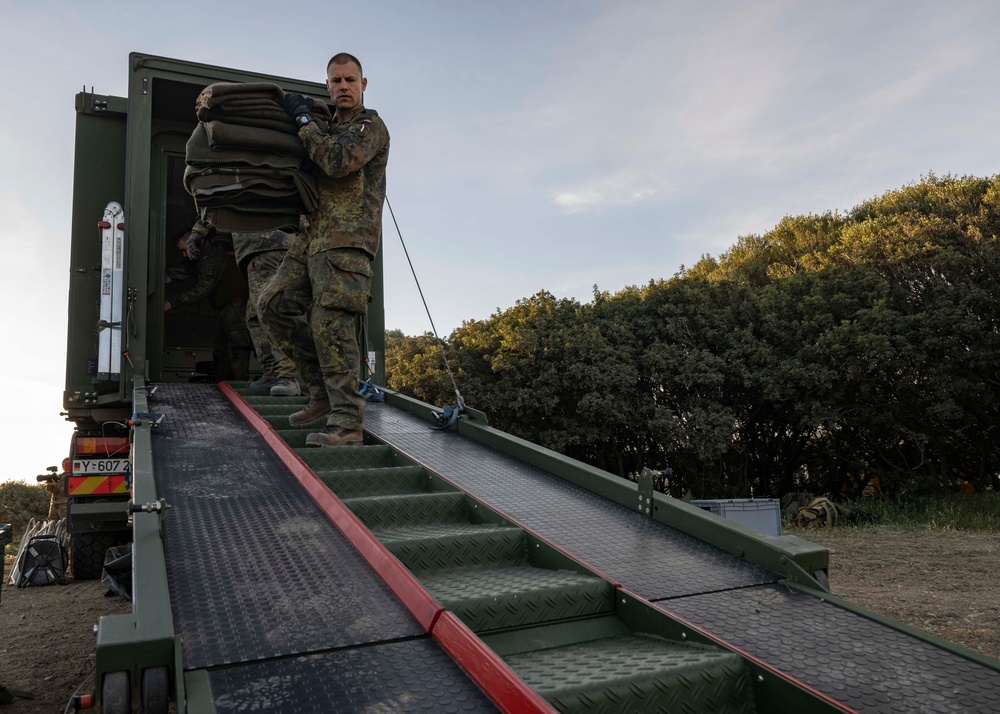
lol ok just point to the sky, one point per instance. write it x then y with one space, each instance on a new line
549 145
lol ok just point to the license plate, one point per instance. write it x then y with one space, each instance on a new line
100 466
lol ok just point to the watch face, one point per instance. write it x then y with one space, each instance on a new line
303 119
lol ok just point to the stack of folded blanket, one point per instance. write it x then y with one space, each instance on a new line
246 168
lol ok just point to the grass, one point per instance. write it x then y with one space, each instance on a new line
955 512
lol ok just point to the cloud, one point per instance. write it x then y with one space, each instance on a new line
620 189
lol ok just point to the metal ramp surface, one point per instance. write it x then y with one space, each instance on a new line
271 602
278 611
866 665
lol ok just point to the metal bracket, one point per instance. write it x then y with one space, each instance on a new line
159 506
646 492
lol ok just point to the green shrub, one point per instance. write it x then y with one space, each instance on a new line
19 503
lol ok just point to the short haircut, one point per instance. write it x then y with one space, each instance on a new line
344 58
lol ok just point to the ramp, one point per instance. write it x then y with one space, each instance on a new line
440 571
867 665
271 602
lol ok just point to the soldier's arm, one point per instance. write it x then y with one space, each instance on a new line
348 149
196 238
209 274
179 272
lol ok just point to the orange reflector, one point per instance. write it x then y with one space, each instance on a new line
121 226
103 224
101 445
96 485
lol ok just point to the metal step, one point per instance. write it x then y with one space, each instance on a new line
357 483
447 546
345 457
279 422
500 598
397 510
637 673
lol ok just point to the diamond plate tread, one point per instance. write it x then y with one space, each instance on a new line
637 673
332 458
513 597
277 410
864 664
645 556
413 676
295 437
382 512
449 546
279 422
254 568
258 402
357 483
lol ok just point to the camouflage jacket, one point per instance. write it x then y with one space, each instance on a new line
216 278
351 156
248 244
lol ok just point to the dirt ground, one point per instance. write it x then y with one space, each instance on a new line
944 582
47 641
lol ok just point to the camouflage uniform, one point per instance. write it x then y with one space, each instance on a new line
260 254
324 281
218 280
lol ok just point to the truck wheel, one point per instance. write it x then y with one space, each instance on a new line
88 554
114 694
155 690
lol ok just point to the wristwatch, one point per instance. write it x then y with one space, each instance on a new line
303 119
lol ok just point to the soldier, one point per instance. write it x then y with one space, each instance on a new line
324 280
217 280
260 254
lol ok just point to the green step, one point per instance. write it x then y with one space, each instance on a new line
380 512
637 673
345 457
283 409
515 597
356 483
279 422
449 546
258 402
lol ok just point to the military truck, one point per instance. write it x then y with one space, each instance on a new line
429 569
129 204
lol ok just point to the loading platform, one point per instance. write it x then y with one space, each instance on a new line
467 570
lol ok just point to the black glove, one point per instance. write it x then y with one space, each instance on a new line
296 105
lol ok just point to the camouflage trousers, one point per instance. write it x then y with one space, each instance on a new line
231 351
309 309
273 362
